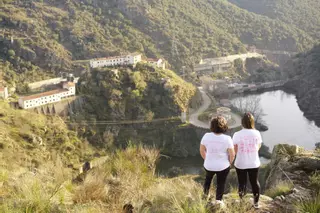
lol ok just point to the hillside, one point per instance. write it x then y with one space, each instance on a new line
302 14
29 140
306 68
144 104
127 178
48 35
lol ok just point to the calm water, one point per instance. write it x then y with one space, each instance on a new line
284 119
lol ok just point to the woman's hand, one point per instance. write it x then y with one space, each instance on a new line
231 155
203 151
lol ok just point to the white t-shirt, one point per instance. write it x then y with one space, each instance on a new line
216 151
248 141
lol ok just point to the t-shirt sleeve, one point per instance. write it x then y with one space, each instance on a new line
230 143
235 139
204 139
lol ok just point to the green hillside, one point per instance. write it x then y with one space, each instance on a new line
306 68
48 35
30 140
305 15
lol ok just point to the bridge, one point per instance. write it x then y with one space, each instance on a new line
241 88
221 64
276 52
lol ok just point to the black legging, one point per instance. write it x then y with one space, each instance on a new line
221 181
253 178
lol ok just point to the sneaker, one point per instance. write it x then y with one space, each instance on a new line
256 206
220 203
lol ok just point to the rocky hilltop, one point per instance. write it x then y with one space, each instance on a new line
297 168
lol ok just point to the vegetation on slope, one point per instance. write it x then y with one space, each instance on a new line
29 139
153 97
302 14
306 68
128 177
50 34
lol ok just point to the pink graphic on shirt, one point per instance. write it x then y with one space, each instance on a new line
214 148
248 144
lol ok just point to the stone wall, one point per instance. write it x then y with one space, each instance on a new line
63 108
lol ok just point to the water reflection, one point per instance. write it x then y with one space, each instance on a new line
285 120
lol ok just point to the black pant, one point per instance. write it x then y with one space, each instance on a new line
221 181
253 178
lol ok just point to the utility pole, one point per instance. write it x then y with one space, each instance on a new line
183 72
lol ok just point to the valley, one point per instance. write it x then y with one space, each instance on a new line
103 103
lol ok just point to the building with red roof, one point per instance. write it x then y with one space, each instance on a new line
67 89
131 59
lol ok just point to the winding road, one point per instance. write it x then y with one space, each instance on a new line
194 120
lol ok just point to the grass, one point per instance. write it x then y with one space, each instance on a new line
127 177
282 188
315 181
310 206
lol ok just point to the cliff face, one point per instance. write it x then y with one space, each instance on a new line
305 69
295 166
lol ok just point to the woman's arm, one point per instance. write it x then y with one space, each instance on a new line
231 155
203 151
236 149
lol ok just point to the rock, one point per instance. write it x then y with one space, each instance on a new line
146 204
127 208
278 198
309 163
286 149
294 190
175 171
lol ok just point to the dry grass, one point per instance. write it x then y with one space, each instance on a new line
126 177
281 188
310 206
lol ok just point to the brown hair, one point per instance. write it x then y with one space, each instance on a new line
248 121
219 125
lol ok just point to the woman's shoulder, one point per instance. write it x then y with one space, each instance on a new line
226 136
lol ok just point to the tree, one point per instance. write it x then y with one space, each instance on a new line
250 104
149 116
11 53
239 66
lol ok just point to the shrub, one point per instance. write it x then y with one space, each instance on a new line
310 206
315 181
282 188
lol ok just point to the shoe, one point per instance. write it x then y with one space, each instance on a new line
220 203
256 206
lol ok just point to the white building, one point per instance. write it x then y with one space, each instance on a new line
131 59
4 94
52 81
159 63
68 89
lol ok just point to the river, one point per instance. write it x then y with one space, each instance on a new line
284 119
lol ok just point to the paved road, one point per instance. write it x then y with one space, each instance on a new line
194 120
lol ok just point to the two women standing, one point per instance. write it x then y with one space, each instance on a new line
218 151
